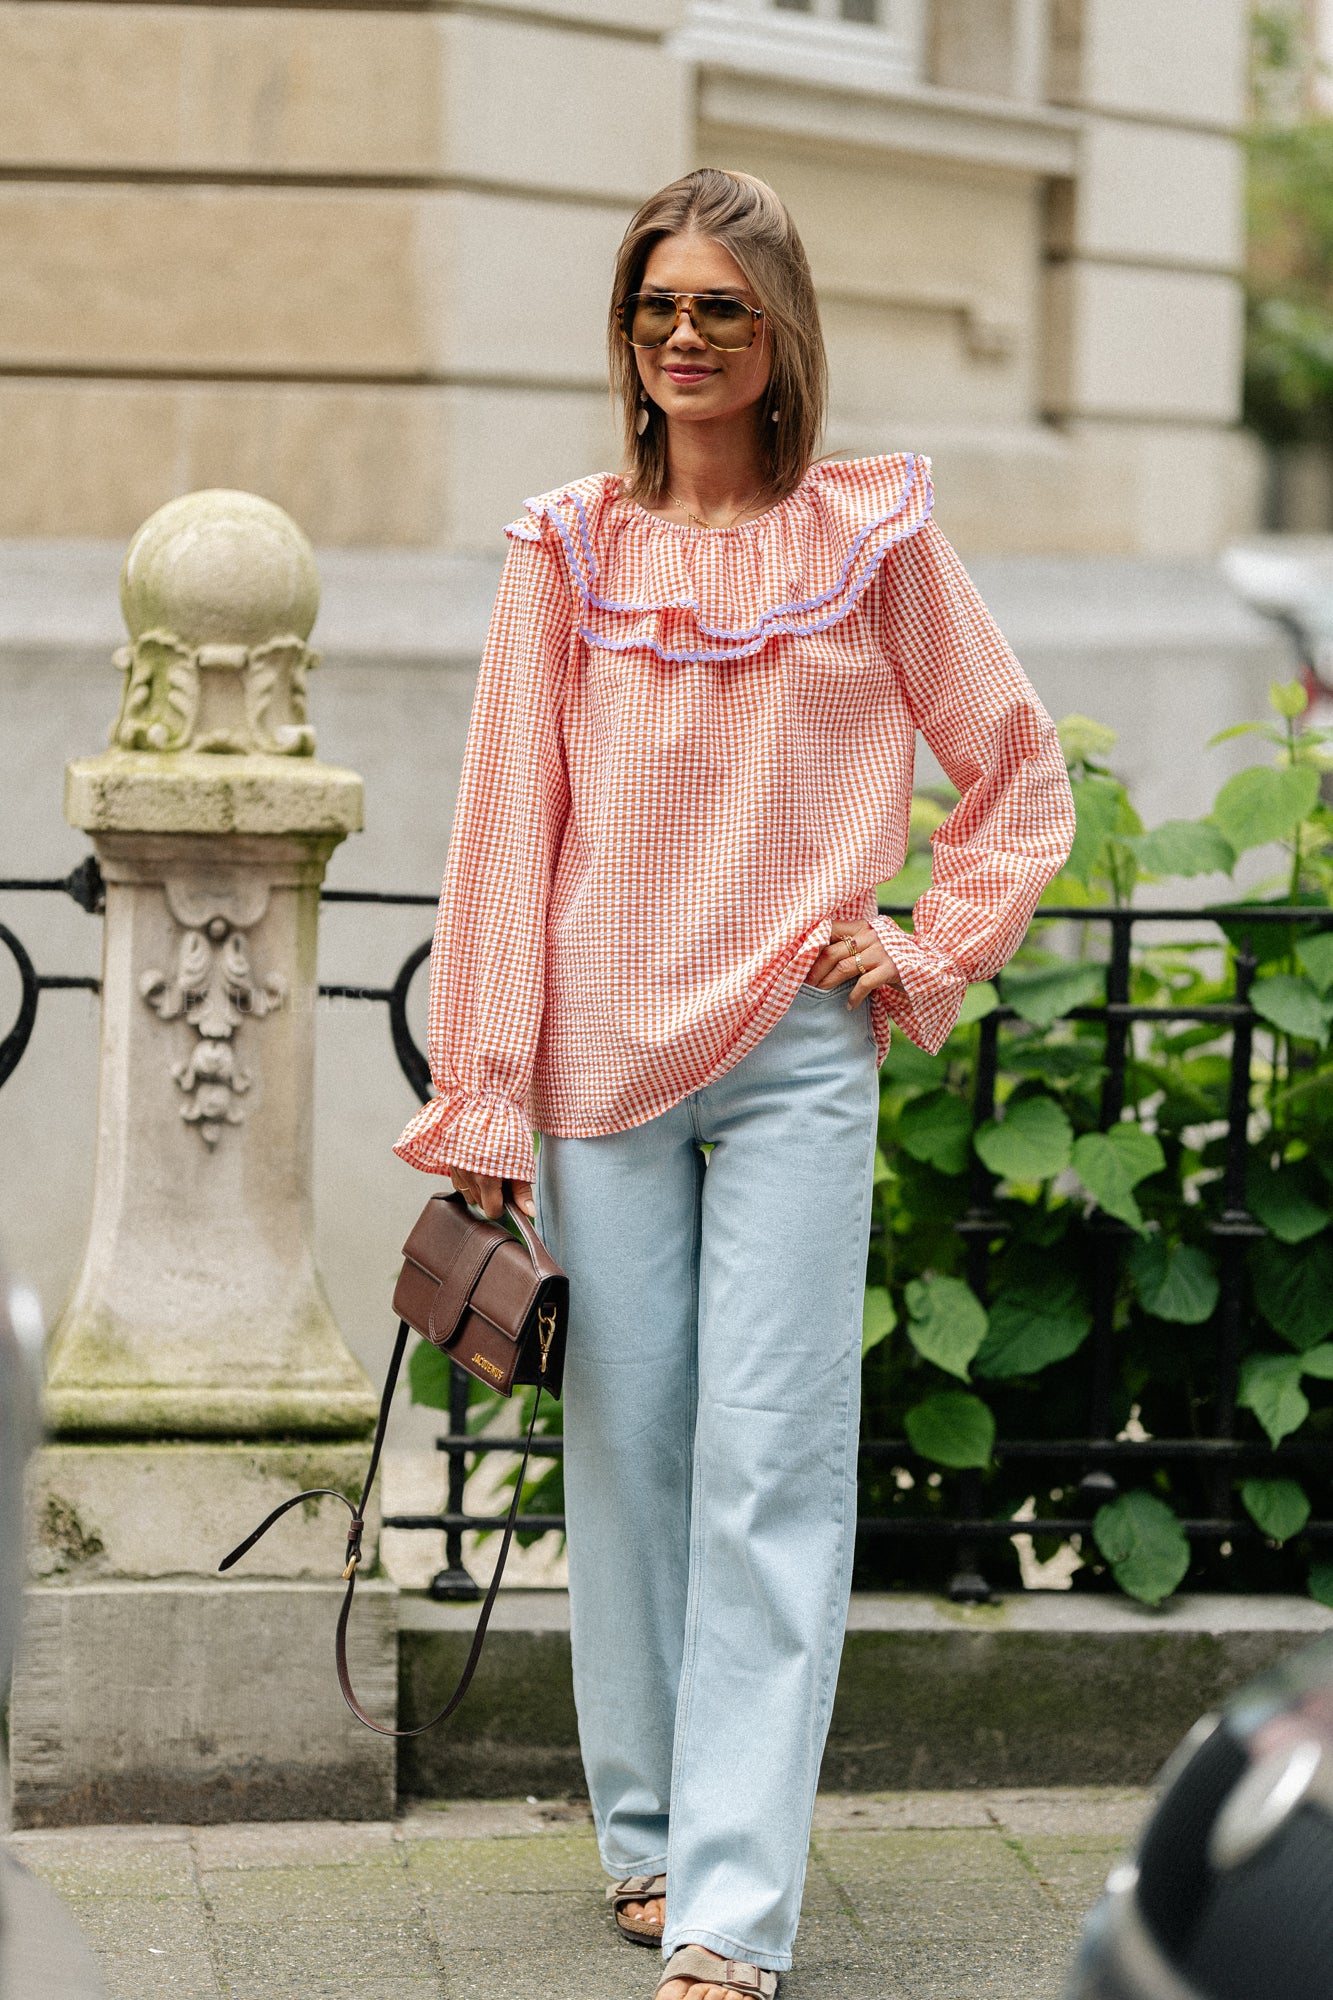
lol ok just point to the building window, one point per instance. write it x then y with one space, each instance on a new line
858 44
863 11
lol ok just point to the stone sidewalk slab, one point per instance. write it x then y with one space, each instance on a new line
909 1896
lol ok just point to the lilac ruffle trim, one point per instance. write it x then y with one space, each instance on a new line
799 616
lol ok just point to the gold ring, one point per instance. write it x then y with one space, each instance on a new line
860 965
850 942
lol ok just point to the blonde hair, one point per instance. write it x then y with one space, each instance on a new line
751 223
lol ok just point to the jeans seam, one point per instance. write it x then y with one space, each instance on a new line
694 1597
833 1638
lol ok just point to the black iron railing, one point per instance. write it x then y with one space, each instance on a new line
1095 1458
84 885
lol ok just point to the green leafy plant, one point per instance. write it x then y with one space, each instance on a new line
966 1342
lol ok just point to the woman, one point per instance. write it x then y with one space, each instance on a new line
689 765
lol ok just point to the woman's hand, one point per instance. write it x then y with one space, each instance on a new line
837 963
486 1192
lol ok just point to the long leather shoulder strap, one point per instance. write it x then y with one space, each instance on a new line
355 1529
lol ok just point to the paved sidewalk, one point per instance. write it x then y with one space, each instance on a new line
910 1896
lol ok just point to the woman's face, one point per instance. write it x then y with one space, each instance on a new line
691 381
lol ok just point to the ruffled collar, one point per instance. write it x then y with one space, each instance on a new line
692 594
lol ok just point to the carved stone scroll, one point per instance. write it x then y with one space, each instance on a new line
213 989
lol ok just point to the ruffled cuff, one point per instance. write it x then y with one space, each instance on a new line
927 1005
482 1131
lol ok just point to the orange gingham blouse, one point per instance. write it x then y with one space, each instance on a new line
689 752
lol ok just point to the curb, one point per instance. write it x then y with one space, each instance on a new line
1043 1689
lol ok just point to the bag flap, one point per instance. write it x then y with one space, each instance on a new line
506 1291
443 1226
457 1261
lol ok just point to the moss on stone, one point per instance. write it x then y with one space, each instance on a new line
64 1534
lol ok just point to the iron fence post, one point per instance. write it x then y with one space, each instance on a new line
1233 1229
1097 1486
978 1228
454 1582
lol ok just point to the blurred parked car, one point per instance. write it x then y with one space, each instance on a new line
1230 1896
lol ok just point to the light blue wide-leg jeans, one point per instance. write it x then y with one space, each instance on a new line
711 1409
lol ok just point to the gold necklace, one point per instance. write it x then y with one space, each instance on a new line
715 527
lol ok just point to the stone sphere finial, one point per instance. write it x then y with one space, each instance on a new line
220 568
219 592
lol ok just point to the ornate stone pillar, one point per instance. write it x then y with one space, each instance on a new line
197 1375
199 1312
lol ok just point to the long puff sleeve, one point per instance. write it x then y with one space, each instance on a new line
1012 827
488 960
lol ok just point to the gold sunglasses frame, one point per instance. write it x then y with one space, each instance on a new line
684 303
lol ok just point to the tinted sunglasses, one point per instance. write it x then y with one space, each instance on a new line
648 319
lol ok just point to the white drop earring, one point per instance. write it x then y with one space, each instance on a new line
773 416
641 421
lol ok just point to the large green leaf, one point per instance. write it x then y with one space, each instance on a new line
1145 1545
1290 1201
878 1317
1314 955
1033 1323
1266 802
1291 1003
1057 1062
937 1128
906 1063
1269 945
952 1428
1098 802
1178 1284
1111 1165
429 1376
978 1001
1270 1385
1140 1151
1318 1361
1032 1142
1043 995
946 1323
1278 1507
1321 1582
1293 1288
1184 847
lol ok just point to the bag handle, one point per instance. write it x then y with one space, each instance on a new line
356 1527
542 1261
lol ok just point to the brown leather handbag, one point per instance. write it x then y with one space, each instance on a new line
496 1303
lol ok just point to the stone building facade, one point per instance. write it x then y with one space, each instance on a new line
355 258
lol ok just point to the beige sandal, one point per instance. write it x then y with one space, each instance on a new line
693 1962
636 1889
